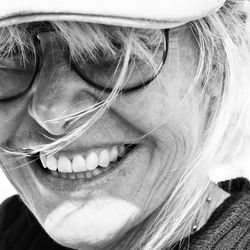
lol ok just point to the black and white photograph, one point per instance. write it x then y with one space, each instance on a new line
125 125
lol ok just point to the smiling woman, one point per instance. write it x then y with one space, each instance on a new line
122 131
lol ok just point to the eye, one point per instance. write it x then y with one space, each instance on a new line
143 66
17 70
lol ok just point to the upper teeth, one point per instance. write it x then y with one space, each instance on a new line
79 163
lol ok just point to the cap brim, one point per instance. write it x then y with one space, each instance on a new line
133 13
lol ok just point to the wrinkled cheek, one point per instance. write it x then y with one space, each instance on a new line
81 224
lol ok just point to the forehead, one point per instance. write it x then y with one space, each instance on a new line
77 28
80 36
23 31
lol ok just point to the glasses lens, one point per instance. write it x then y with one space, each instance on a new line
146 59
16 73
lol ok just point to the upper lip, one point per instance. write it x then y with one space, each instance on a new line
85 142
94 146
75 146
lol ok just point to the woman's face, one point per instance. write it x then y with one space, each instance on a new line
83 213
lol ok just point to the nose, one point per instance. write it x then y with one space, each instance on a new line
58 92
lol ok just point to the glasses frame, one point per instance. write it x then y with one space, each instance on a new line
38 55
37 28
143 84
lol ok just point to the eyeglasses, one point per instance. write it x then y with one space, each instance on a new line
18 72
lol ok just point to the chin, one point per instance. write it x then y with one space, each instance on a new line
90 225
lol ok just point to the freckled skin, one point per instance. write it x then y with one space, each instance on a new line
147 178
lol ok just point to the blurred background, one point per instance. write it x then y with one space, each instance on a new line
6 189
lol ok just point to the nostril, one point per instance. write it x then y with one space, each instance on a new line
66 125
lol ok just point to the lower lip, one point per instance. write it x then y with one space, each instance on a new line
70 185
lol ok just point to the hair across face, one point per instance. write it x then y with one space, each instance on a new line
60 111
172 124
102 53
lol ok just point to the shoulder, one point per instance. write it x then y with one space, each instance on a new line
10 211
229 226
19 230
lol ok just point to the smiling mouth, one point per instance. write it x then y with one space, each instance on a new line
87 165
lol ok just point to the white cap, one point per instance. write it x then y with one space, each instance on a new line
135 13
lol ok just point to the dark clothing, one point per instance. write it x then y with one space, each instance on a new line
227 229
229 226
